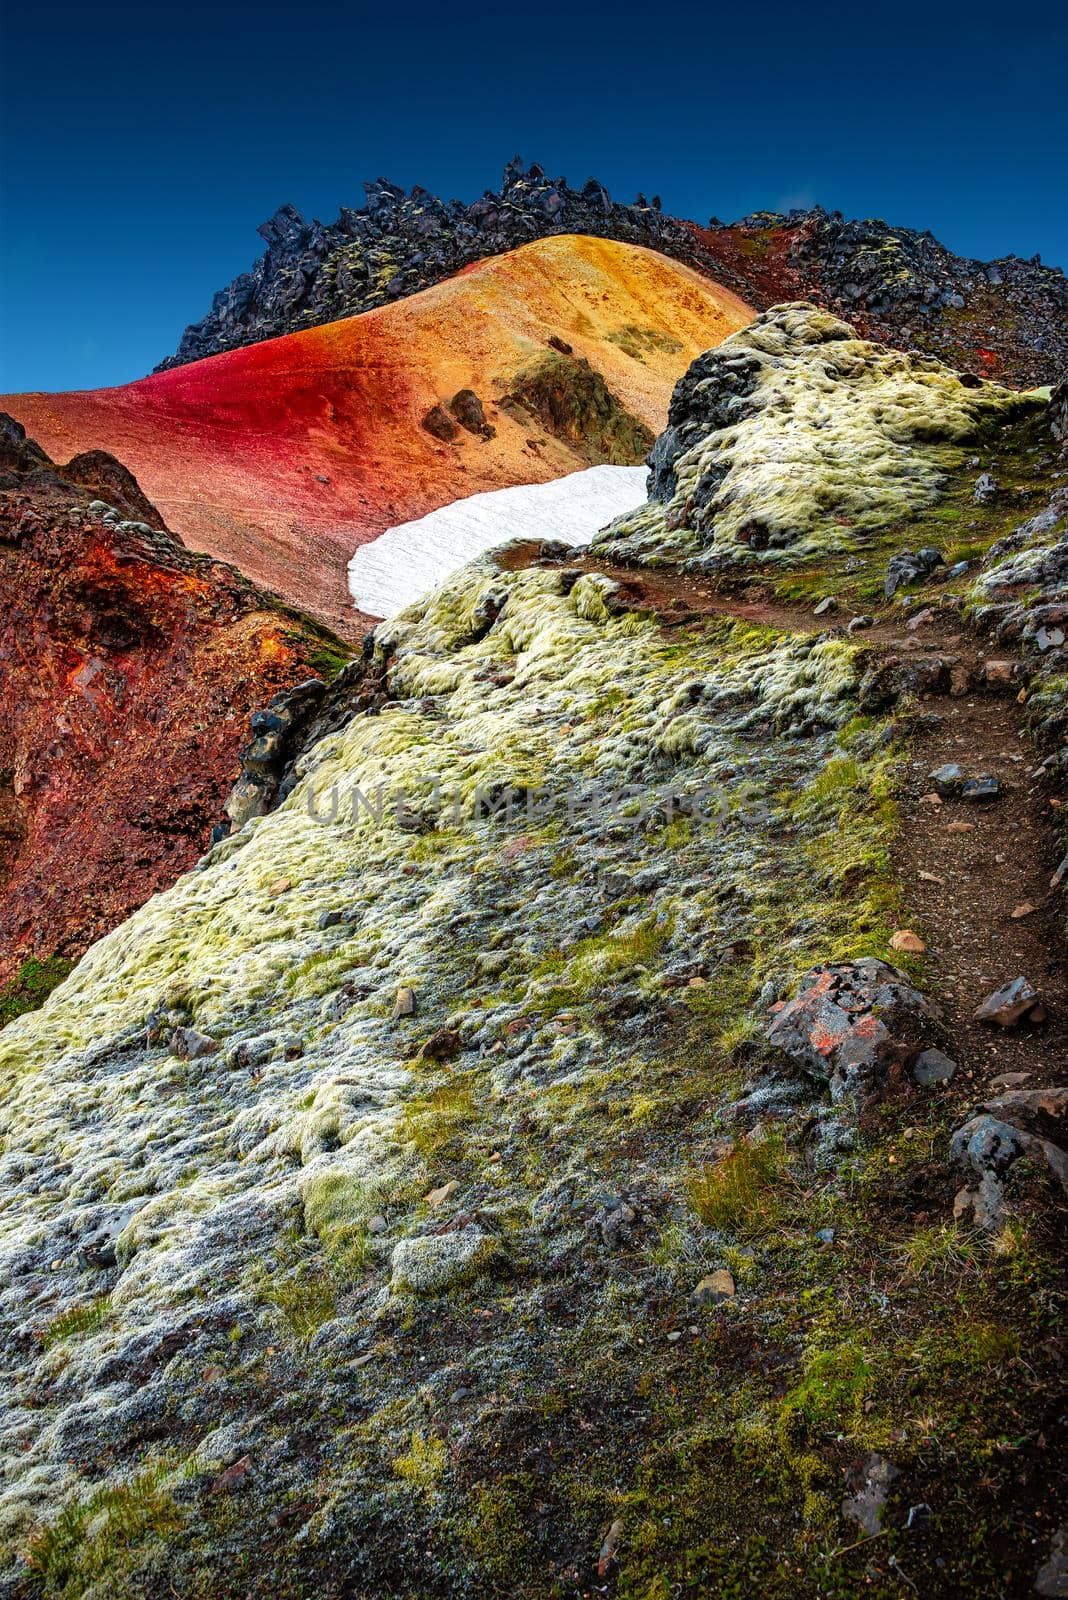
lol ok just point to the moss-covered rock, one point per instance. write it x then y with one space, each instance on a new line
569 399
793 438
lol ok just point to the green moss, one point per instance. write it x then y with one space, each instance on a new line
327 660
337 1209
495 1526
831 1393
571 400
423 1463
31 986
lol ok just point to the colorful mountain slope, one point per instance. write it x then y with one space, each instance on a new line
129 668
284 456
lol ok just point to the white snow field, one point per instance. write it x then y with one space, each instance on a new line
414 557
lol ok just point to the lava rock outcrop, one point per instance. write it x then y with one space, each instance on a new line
129 666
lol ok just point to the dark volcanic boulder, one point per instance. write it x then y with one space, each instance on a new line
851 1023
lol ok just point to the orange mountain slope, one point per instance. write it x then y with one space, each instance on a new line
282 457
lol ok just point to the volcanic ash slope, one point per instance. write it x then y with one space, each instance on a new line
239 1291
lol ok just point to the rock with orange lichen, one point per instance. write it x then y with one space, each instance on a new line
851 1022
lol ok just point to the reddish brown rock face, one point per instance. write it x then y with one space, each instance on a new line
128 667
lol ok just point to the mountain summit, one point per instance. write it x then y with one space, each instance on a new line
1006 318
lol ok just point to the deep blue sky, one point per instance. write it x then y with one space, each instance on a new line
142 145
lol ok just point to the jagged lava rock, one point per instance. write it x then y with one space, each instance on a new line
1006 317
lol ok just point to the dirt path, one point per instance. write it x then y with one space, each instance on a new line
992 860
965 868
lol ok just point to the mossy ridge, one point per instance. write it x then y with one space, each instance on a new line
722 1453
872 436
963 528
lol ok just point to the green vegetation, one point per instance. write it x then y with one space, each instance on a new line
571 400
744 1193
31 986
423 1463
98 1540
77 1320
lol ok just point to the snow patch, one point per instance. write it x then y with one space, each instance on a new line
398 568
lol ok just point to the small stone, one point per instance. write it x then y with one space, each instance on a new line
985 488
189 1045
672 1337
611 1540
958 569
910 566
960 827
948 780
933 1066
999 672
441 1046
231 1477
868 1482
1049 639
404 1005
1014 1003
1009 1080
918 1516
440 425
377 1225
857 623
931 877
437 1197
330 919
826 605
279 886
981 791
434 1263
714 1288
1051 1580
920 620
1023 910
905 939
825 1235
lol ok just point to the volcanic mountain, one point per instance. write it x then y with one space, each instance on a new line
130 666
1007 318
599 1131
285 455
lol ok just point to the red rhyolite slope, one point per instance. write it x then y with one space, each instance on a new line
284 456
129 667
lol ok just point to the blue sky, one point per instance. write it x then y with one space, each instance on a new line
141 148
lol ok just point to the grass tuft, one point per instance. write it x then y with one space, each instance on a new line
743 1193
